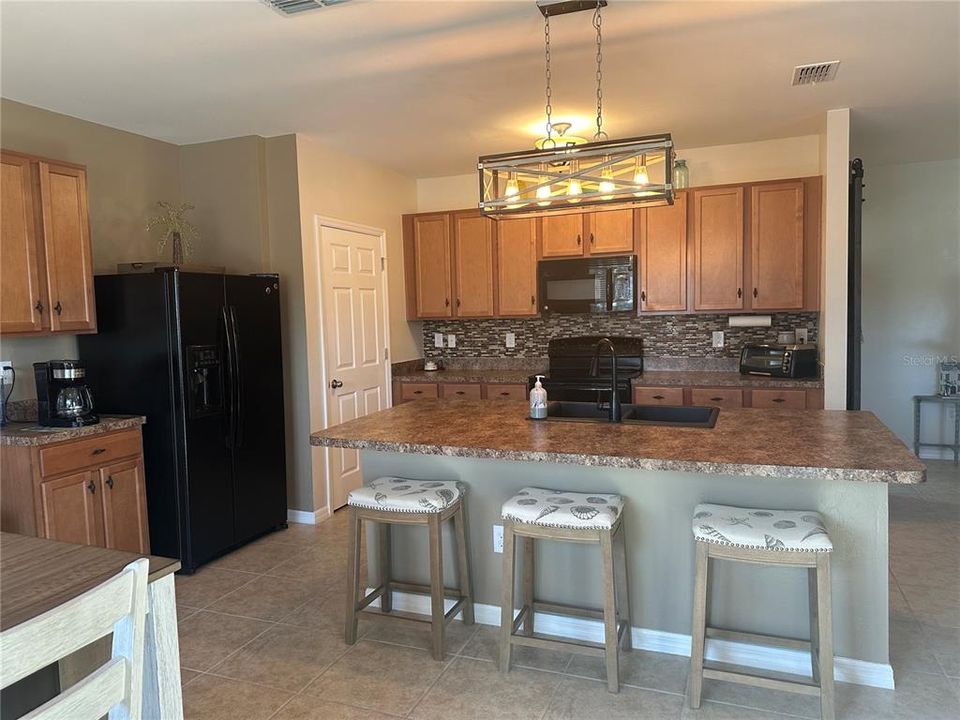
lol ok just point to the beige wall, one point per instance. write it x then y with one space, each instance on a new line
763 160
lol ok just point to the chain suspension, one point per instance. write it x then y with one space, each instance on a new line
548 108
598 24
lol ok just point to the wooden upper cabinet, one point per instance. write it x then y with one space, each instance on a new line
663 256
124 504
23 292
71 509
776 246
473 265
610 232
562 235
718 249
517 267
432 262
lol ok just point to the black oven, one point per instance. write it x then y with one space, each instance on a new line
588 285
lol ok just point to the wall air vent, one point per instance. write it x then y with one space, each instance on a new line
815 72
295 7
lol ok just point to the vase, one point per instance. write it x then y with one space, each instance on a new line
681 175
177 249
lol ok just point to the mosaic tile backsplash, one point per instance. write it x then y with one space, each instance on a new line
663 335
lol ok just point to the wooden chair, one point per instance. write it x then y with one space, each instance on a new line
400 501
765 537
117 606
537 514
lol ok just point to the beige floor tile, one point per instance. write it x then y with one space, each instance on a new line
376 676
908 649
581 699
476 689
206 638
918 695
187 675
414 634
265 597
325 611
772 701
212 698
485 645
933 606
308 707
257 557
720 711
944 643
639 668
208 585
183 612
284 657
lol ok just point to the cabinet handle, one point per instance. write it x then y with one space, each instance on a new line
58 307
98 451
591 239
643 296
739 292
658 397
418 392
533 300
460 392
716 399
755 293
38 307
579 241
505 393
110 482
446 302
458 302
91 487
778 400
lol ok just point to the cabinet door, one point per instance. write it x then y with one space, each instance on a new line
23 293
124 505
663 256
71 509
562 235
431 248
418 391
473 265
776 246
610 232
718 249
66 242
517 267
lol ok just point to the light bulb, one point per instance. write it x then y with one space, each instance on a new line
513 189
543 193
574 188
640 176
606 185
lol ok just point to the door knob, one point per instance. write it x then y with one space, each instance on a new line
336 384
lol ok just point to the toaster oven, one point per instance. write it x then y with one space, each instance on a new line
785 361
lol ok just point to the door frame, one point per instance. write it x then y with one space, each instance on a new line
317 371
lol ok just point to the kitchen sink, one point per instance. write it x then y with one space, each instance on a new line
681 416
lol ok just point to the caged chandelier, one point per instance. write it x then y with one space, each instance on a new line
564 177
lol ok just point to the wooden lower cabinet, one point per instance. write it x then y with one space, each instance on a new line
461 391
775 398
717 397
507 391
85 497
418 391
731 397
658 395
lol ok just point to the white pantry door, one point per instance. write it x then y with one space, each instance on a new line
354 328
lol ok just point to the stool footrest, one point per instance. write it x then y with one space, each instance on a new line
421 589
551 642
746 676
398 614
560 609
758 639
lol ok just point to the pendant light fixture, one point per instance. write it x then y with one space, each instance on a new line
565 173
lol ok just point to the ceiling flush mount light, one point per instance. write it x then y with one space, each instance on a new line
566 173
295 7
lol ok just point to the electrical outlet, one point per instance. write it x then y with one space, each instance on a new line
498 538
451 340
438 340
511 340
718 338
5 367
801 335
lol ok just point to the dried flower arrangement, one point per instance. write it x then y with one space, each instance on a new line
176 228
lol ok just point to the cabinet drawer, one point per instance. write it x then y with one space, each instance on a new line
418 391
98 450
791 399
717 397
658 396
511 391
460 391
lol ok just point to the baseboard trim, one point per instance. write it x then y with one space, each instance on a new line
936 454
848 670
307 517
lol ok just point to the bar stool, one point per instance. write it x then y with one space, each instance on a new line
399 501
795 538
537 514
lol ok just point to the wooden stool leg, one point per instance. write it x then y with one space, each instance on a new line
699 624
506 596
825 613
353 579
814 624
386 600
436 586
623 593
463 562
529 571
611 645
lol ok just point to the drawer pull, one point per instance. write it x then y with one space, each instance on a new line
505 392
658 397
98 451
460 392
716 399
418 392
779 400
91 487
579 241
110 482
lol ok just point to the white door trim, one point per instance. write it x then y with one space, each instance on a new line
320 222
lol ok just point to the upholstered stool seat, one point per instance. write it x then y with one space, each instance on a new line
553 508
597 518
796 530
389 501
787 538
403 495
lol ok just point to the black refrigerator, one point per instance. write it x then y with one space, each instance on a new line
199 355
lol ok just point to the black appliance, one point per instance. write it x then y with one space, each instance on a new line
597 285
199 355
63 397
574 375
784 361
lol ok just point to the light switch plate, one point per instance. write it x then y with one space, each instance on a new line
718 338
438 340
498 538
451 340
511 340
801 335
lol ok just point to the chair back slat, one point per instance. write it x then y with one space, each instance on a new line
93 697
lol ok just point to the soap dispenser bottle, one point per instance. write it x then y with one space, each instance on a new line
538 401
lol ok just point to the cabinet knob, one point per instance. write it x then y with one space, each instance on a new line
91 486
658 397
460 392
110 482
98 451
779 400
38 307
643 296
591 239
58 307
579 241
446 302
458 302
418 392
505 392
755 293
739 292
533 300
716 399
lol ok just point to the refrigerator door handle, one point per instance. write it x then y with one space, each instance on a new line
237 381
230 378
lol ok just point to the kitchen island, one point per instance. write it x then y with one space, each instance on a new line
837 463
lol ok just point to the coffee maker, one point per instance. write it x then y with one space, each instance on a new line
63 398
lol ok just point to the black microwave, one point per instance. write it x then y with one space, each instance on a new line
596 285
786 361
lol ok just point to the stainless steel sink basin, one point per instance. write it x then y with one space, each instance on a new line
680 416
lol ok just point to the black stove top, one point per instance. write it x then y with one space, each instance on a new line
569 375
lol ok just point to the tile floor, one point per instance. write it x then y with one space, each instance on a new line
261 638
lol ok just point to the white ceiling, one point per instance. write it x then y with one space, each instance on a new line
424 87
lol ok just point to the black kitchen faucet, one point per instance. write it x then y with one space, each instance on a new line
595 371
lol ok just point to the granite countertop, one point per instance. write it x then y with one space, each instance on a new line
29 433
467 375
803 444
710 378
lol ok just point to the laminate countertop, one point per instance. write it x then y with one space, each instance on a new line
29 433
803 444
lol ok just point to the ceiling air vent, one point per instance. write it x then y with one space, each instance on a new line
815 73
295 7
